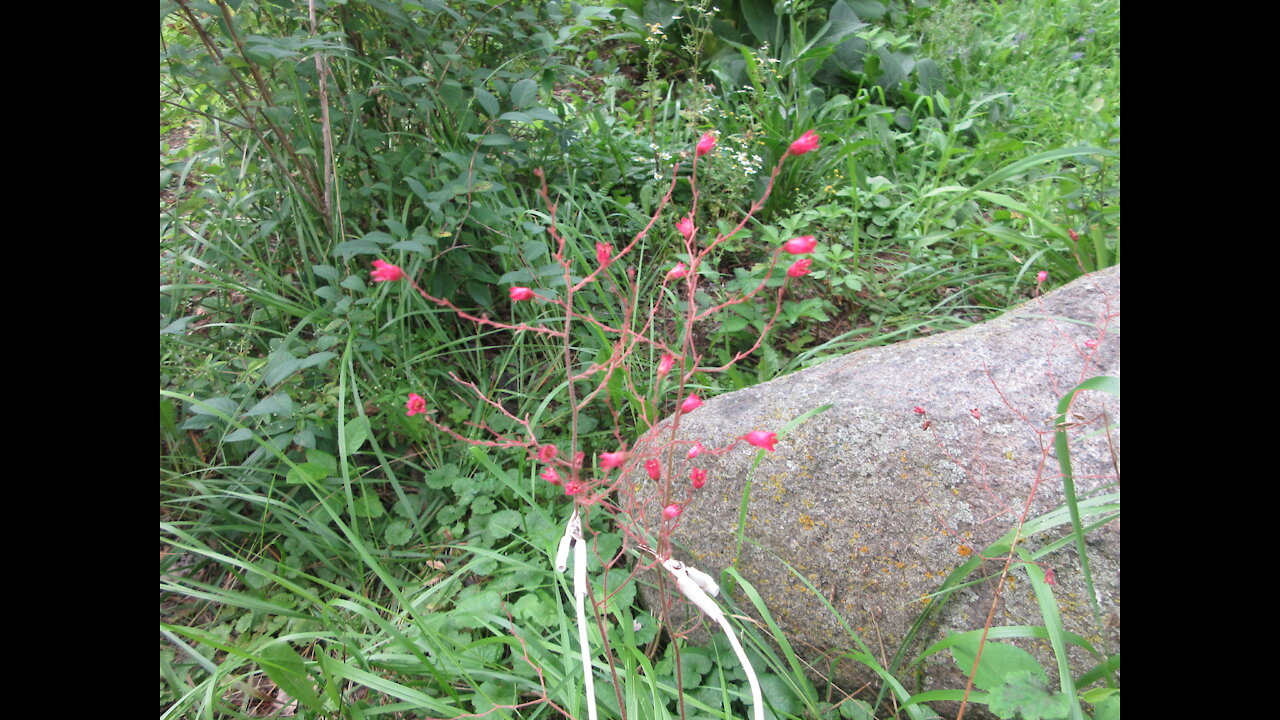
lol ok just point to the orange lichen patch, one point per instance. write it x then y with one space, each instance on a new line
900 565
964 550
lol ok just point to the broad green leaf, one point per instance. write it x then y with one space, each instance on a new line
501 524
288 671
844 22
760 18
280 365
368 505
323 459
999 660
695 663
355 433
524 93
398 532
308 471
1023 694
276 404
211 406
487 101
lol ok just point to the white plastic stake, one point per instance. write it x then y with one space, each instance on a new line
695 585
573 539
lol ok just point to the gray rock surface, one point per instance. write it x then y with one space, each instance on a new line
875 509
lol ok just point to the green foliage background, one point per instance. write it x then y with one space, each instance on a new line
315 541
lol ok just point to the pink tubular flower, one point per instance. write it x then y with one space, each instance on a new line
573 487
799 268
613 459
919 410
664 365
691 403
386 272
800 245
1042 276
762 439
603 252
550 475
804 144
679 271
1091 343
653 468
696 450
521 293
705 144
699 478
686 228
416 405
671 512
546 452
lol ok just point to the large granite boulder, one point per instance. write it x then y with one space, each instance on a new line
876 503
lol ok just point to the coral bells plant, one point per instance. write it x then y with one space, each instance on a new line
637 485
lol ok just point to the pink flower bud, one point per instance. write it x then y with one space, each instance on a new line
918 410
613 459
679 271
696 450
805 143
671 512
386 272
550 475
654 468
800 245
705 144
1042 276
546 452
578 457
699 478
799 268
573 487
521 293
603 252
1091 343
664 365
1049 577
977 415
691 403
762 439
416 405
686 228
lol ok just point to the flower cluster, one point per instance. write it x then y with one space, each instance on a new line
677 364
